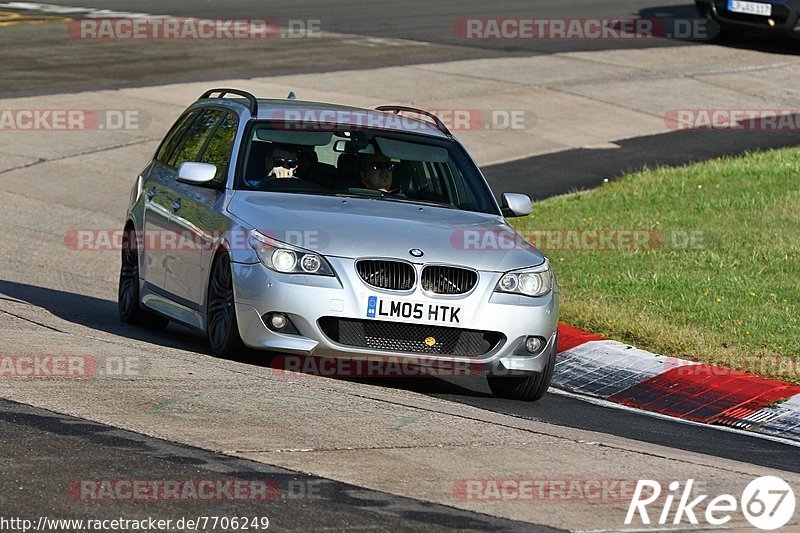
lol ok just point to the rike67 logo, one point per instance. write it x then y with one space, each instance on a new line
767 503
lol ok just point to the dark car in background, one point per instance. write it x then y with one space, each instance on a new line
734 17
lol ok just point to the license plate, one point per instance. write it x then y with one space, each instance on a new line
387 308
750 8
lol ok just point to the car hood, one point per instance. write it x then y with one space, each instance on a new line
355 227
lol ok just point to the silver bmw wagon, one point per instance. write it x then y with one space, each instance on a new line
336 232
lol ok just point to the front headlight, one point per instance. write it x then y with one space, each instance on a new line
536 281
288 259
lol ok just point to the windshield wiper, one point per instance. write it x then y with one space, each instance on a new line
353 195
416 201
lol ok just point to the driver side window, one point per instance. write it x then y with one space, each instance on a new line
220 147
174 137
195 142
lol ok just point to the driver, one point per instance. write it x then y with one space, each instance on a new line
282 161
376 172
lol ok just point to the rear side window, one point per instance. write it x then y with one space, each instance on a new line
195 141
174 136
220 147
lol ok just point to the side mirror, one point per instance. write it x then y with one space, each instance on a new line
196 173
516 205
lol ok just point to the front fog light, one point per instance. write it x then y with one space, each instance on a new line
278 321
534 344
284 260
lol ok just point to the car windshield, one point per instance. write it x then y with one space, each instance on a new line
363 163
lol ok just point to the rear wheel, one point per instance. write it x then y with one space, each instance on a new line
222 329
130 309
527 388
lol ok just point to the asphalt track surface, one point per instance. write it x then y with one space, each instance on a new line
427 21
33 438
43 58
38 439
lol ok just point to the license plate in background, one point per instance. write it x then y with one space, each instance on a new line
750 8
386 308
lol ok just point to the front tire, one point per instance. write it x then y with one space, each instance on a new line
222 328
728 34
718 32
130 309
527 388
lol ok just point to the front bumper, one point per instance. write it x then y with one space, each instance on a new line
785 18
306 299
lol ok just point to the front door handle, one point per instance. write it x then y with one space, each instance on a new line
176 204
151 192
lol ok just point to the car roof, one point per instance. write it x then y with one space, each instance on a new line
300 110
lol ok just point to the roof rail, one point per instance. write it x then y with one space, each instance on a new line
222 92
396 109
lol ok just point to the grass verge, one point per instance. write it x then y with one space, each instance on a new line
700 262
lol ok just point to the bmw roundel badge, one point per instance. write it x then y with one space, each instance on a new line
416 252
